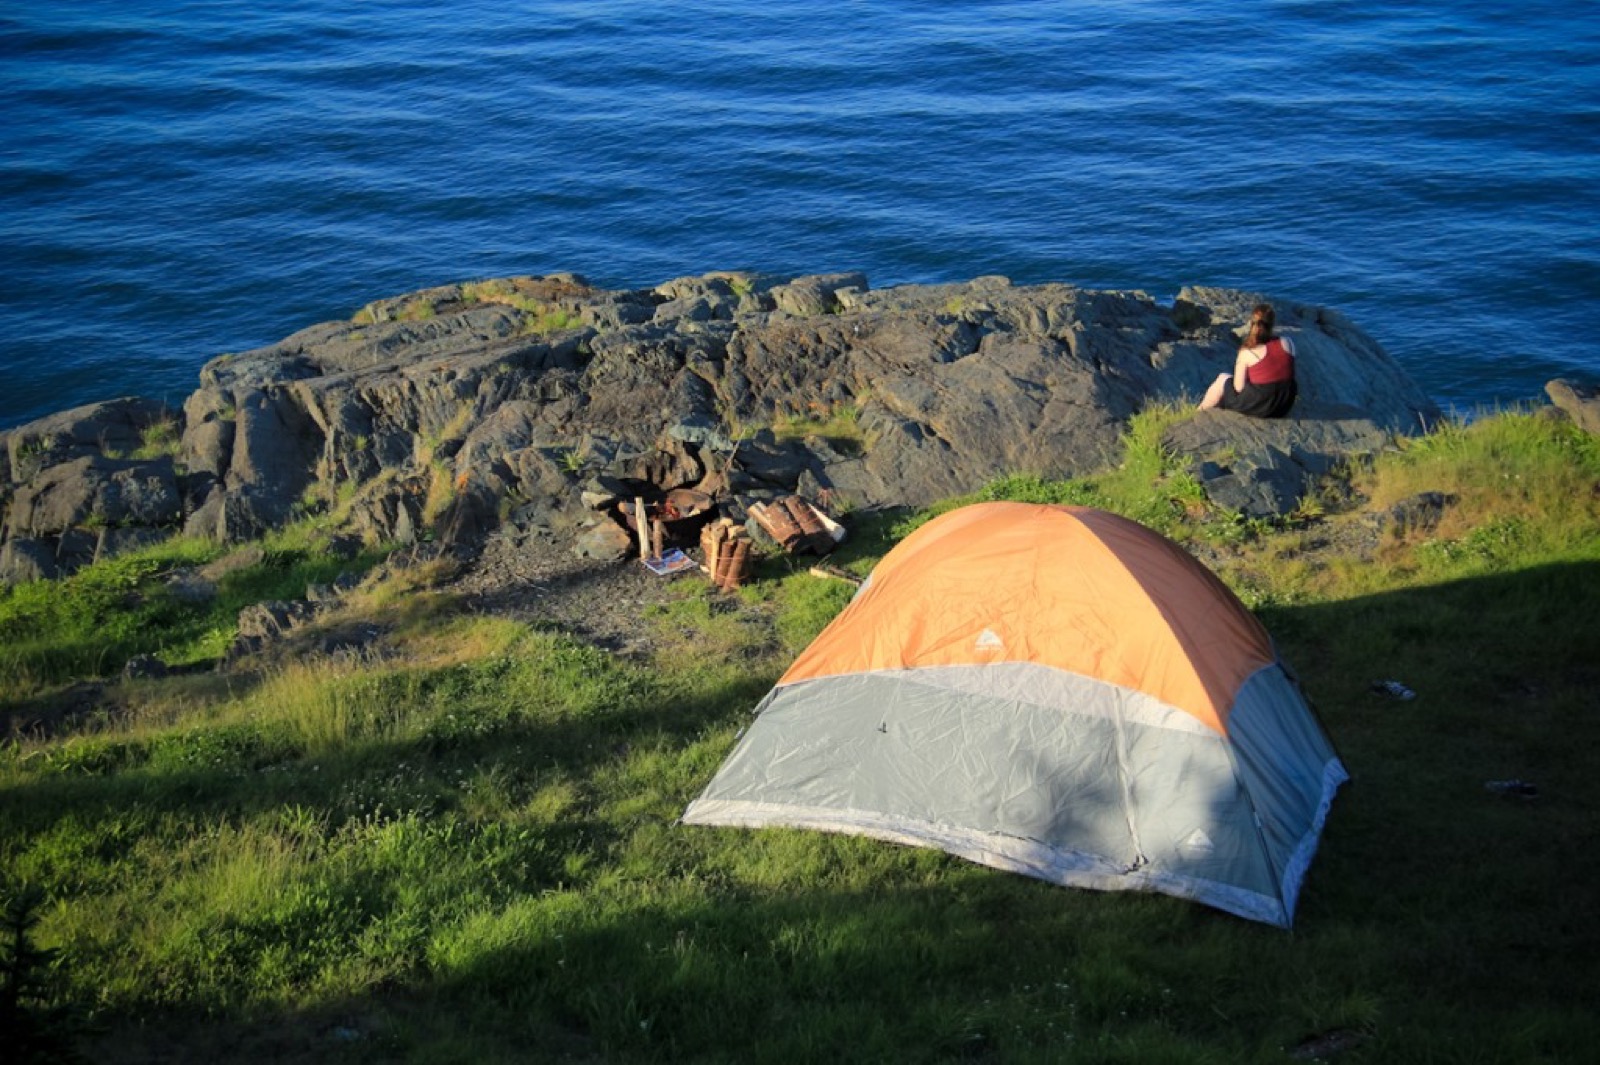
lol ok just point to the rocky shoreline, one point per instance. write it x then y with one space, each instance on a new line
527 407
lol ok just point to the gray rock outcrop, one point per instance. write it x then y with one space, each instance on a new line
1264 468
74 486
443 413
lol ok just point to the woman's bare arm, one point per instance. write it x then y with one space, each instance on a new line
1245 360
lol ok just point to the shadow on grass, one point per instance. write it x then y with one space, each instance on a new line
978 966
1487 899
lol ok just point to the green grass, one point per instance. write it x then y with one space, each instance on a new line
90 623
540 316
468 851
159 438
93 621
552 320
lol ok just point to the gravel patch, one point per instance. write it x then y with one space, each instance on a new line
535 577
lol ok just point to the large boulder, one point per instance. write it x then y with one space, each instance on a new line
96 491
115 427
958 384
1337 365
1264 467
86 508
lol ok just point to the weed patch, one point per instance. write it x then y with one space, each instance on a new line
840 428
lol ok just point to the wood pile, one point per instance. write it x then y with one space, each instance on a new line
796 525
726 547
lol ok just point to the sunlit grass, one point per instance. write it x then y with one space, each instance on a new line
1525 487
839 426
90 623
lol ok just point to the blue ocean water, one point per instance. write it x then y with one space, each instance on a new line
179 179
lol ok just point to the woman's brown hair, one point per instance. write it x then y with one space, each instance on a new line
1263 325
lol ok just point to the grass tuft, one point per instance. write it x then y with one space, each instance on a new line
839 427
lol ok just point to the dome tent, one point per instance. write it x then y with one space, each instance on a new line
1054 691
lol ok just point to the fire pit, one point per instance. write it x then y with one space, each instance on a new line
682 512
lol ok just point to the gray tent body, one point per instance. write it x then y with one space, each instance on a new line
1050 774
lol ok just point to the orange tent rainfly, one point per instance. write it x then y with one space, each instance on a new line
1055 691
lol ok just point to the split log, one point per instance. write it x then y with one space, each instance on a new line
726 546
643 526
795 525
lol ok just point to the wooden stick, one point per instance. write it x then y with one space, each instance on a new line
642 525
834 574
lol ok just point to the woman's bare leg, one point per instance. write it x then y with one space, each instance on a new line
1213 394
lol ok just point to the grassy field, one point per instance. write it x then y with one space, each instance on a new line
464 849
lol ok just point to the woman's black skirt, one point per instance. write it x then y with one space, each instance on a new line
1260 401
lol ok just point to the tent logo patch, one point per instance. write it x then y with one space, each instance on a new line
1198 845
989 640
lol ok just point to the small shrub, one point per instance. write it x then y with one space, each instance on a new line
37 1027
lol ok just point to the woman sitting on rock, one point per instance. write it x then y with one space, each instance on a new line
1262 382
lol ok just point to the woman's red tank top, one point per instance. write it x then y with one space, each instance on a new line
1276 365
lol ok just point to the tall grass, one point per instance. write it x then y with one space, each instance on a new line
1526 488
840 428
467 849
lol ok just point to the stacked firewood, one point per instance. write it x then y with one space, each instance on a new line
726 547
795 524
